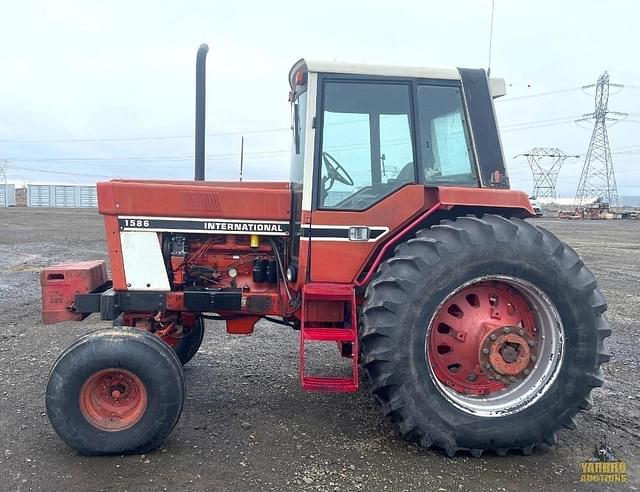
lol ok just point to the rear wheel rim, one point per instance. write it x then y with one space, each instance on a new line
494 346
113 399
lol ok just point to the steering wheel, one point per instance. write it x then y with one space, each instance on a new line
335 171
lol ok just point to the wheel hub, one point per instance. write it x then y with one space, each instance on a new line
113 399
507 351
483 339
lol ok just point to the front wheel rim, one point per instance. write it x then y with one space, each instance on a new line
494 346
113 399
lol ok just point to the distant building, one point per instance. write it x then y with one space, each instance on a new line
7 195
21 197
568 202
61 195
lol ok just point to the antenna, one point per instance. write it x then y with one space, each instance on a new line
241 157
493 4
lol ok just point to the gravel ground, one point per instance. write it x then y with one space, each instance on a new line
248 426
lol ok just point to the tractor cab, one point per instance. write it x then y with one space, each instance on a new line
362 132
368 140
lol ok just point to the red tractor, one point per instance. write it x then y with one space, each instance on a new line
397 237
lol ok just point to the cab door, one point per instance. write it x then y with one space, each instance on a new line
365 178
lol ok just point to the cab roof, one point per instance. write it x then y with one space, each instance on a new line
372 69
421 72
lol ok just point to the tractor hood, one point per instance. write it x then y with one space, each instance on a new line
248 201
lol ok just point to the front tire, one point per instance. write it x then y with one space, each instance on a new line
483 334
113 391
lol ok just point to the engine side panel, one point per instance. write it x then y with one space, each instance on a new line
187 199
207 208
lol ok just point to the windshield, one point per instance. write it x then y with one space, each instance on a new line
298 125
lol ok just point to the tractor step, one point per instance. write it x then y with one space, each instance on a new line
320 334
336 385
313 331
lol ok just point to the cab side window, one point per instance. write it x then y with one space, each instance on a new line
444 142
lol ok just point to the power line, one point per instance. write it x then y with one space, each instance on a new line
66 173
539 94
509 127
558 121
142 138
177 137
537 124
186 157
261 130
176 158
230 156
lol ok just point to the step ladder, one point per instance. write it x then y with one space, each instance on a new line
313 332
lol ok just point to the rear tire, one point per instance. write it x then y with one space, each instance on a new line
414 289
114 391
185 346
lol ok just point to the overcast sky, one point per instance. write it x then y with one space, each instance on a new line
125 69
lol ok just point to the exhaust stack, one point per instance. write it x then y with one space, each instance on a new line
201 64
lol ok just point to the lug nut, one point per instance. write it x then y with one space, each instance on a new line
534 358
471 377
493 337
507 330
521 333
512 379
526 371
485 351
487 366
532 343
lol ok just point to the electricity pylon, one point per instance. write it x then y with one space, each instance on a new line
545 164
598 179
